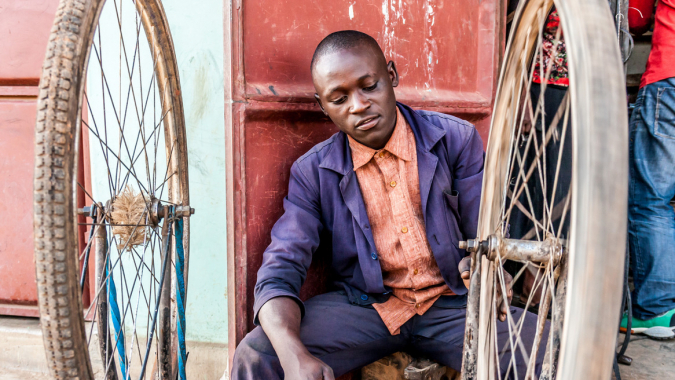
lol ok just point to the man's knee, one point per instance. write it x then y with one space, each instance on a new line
255 358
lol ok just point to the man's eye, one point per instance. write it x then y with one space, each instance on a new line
339 100
371 88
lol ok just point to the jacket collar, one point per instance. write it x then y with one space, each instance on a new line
339 156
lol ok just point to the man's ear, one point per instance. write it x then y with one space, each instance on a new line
393 74
318 100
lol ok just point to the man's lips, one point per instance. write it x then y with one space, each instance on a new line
367 123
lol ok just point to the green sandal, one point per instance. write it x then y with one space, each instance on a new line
660 327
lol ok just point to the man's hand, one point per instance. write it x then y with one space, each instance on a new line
464 268
280 319
503 307
304 366
465 271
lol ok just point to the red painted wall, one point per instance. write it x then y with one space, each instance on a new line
24 31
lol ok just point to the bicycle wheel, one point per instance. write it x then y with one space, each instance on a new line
111 157
554 197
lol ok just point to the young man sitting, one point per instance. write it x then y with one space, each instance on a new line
388 198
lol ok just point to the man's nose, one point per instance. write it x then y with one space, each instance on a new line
359 103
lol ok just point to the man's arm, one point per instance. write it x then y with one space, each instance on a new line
277 308
280 319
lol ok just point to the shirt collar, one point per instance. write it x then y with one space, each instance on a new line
399 144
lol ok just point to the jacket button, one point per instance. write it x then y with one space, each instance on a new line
373 255
364 297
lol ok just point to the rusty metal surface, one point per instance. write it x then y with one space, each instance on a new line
549 368
447 53
470 354
17 270
25 27
549 250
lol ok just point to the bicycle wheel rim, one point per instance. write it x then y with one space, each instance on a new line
66 335
599 135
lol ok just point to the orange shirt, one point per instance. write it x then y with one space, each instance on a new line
390 187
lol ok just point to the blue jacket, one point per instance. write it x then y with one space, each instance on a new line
324 211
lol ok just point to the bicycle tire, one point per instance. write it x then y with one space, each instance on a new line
57 139
597 235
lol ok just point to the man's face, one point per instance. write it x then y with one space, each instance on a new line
355 88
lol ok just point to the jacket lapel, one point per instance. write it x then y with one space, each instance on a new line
426 167
351 193
339 160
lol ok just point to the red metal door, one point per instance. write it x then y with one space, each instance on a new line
24 30
447 53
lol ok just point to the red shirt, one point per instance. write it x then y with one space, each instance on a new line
661 63
554 54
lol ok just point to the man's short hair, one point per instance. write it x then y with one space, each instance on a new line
344 39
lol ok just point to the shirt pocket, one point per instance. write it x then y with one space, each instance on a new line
664 118
452 215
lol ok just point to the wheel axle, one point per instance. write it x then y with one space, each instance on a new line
495 246
156 211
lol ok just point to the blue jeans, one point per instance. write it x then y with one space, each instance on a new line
651 219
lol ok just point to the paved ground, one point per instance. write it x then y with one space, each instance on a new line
16 374
652 360
22 356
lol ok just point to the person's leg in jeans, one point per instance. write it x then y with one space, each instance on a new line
439 336
651 220
342 335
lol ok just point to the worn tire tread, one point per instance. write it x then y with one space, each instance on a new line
55 240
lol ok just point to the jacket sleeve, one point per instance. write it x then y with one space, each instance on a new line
295 237
468 180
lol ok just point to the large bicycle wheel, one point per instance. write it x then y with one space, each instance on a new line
554 198
111 159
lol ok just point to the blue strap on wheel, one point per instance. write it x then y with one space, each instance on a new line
180 297
115 314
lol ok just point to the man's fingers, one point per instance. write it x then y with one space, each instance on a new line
464 265
503 308
328 373
502 301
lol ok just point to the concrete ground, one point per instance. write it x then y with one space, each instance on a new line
652 360
22 355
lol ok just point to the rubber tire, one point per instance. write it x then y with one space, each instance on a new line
56 151
56 245
600 182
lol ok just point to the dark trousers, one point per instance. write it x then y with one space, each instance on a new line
540 193
348 337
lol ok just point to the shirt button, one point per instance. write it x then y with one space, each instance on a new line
373 255
381 154
404 230
364 297
417 305
415 271
393 184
